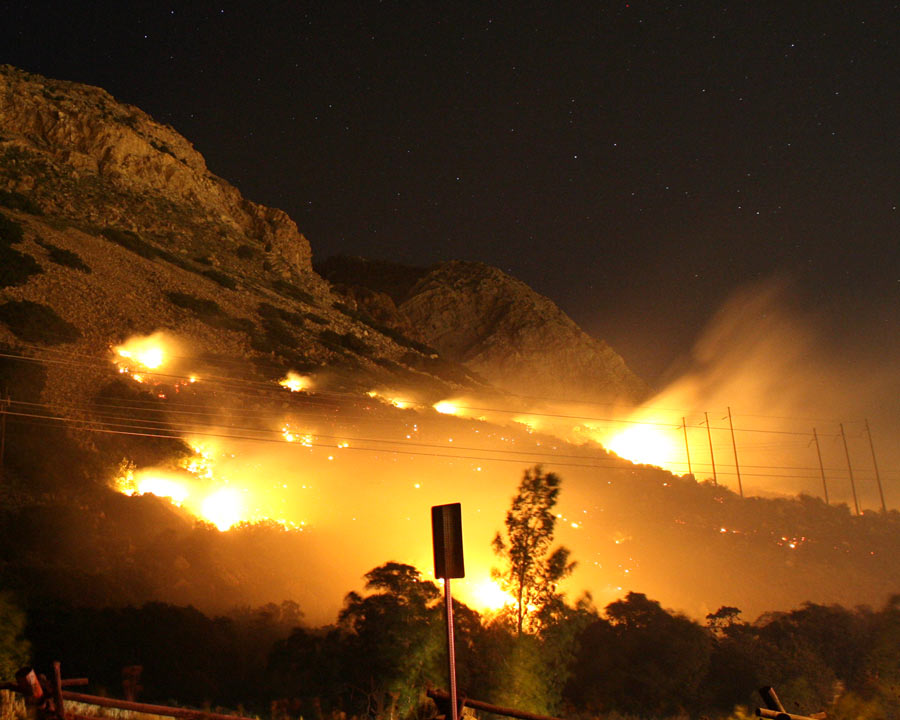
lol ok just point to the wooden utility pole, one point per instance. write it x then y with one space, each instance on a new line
687 449
737 467
821 466
712 458
850 470
875 463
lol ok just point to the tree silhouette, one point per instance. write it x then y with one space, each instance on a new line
393 640
533 572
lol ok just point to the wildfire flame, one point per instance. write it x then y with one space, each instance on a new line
140 356
398 402
148 352
296 383
223 508
647 445
196 487
489 596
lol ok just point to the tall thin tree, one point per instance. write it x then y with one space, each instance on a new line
532 570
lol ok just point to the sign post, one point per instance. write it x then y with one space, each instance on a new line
446 536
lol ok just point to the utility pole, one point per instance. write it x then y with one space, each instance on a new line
875 463
687 449
821 466
737 467
850 470
712 457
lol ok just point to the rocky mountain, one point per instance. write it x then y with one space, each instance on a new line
477 315
123 229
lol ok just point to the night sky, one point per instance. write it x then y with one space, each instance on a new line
637 162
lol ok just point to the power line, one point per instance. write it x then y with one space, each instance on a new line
240 387
261 384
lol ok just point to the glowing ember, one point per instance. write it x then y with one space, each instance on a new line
306 440
200 464
295 382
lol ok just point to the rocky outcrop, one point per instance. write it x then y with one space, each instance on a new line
496 325
78 153
518 339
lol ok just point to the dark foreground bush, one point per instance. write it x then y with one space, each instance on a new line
34 322
16 267
344 341
209 312
10 231
18 201
131 241
64 257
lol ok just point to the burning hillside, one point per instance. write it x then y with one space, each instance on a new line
266 438
355 472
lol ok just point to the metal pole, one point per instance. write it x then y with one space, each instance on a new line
821 466
687 449
712 457
737 467
875 463
451 650
850 469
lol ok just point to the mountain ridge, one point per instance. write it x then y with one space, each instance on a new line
477 315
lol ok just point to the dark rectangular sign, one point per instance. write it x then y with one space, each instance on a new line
446 534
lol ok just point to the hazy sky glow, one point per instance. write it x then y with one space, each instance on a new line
634 161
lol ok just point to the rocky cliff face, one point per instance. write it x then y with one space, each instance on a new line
496 325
